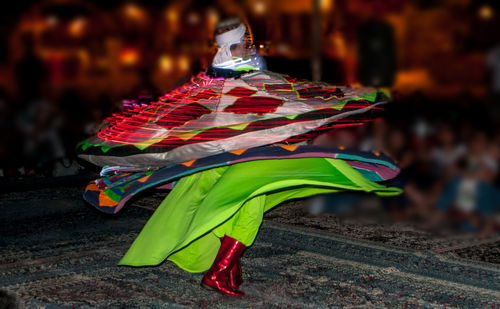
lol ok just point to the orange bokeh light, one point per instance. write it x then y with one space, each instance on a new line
129 56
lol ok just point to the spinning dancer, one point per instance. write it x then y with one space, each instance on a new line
216 139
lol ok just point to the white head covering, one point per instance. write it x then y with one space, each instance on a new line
225 40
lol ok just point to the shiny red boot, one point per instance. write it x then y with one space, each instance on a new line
217 277
235 274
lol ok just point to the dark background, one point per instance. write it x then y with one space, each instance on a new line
68 64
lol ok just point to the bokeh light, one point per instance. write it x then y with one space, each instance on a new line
485 12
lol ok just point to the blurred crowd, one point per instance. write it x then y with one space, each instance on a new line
39 137
449 153
40 128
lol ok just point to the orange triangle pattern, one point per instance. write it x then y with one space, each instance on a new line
239 151
105 200
144 179
188 163
289 147
92 187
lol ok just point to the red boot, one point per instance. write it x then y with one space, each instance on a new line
217 277
235 273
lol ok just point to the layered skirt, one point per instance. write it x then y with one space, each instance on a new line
231 200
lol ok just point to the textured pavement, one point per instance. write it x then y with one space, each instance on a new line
55 251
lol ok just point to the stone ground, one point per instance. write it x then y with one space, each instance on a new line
372 225
84 230
376 227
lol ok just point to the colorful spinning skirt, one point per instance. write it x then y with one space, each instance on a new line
231 200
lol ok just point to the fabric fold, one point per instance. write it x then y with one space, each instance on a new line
203 206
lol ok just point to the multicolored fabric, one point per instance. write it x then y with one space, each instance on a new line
207 116
231 200
110 193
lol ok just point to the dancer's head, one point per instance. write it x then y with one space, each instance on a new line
236 50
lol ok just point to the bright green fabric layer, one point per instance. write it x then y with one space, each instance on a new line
231 200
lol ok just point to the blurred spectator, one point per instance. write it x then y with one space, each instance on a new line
94 124
37 119
374 138
447 152
97 115
396 143
31 73
9 143
493 62
39 124
376 52
470 198
75 115
396 146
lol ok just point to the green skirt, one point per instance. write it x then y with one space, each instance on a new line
231 200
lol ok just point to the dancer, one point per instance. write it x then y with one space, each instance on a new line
226 180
